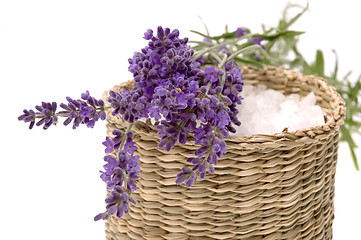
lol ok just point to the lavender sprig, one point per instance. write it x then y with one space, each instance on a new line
120 175
188 94
46 114
86 110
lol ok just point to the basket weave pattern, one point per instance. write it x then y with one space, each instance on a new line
277 186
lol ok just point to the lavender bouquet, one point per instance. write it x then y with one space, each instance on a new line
191 91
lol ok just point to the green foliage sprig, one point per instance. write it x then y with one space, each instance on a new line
280 49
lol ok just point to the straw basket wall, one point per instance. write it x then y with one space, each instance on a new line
277 186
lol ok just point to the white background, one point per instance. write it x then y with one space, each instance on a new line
50 185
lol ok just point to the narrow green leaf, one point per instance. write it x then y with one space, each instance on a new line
205 25
289 34
354 158
246 61
203 35
244 45
346 135
265 31
286 25
335 71
228 35
306 68
282 25
319 65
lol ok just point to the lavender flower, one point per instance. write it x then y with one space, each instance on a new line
28 116
240 32
120 174
117 204
207 40
258 41
257 57
86 111
46 114
109 145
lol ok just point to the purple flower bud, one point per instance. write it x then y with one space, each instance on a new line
131 185
125 207
129 147
132 166
91 124
194 160
202 168
125 197
110 185
148 35
212 158
201 151
100 216
118 188
111 199
116 194
173 34
109 144
186 170
190 181
231 129
166 143
210 168
257 40
132 200
112 210
257 57
120 212
85 95
181 177
240 32
182 137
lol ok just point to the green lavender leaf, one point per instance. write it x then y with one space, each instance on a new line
283 24
227 35
284 34
346 136
248 62
319 64
335 71
354 158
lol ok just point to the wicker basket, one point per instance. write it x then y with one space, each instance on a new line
277 186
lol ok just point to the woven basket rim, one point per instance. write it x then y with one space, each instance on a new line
301 136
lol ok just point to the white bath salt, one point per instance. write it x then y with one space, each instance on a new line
266 111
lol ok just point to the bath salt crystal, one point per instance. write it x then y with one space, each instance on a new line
267 111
